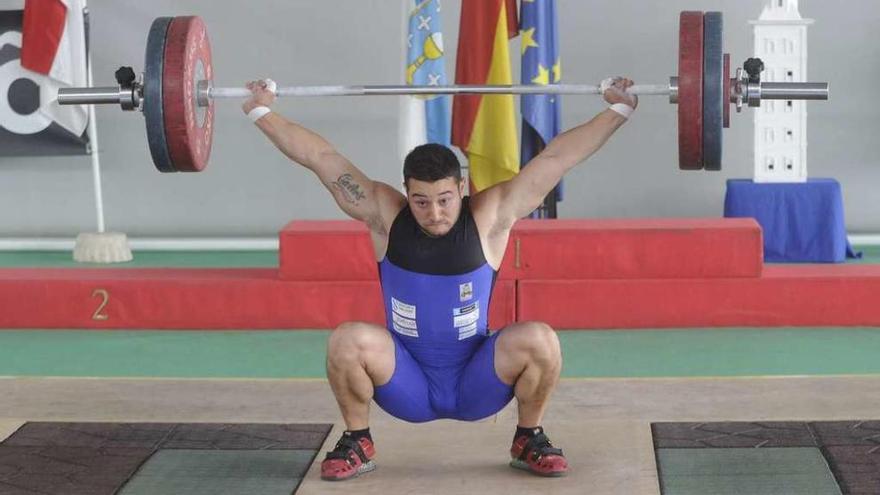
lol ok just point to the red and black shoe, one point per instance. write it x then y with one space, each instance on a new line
349 459
538 456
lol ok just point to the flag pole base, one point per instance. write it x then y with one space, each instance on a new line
102 247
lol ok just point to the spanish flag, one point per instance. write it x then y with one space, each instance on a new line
483 126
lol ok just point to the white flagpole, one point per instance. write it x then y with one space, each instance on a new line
93 139
411 117
100 246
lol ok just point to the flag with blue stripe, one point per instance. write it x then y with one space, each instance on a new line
539 44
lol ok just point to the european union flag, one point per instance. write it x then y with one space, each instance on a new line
542 114
425 66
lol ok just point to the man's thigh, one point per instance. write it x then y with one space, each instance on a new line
406 395
481 392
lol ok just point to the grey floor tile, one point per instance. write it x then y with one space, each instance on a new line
232 472
774 471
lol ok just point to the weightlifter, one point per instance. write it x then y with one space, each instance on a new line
439 252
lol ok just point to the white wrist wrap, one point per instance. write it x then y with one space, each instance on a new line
623 109
258 112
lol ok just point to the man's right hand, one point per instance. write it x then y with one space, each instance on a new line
260 96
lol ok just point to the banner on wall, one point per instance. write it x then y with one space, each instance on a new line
42 49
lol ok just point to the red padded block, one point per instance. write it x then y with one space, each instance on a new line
194 299
180 298
330 250
502 307
327 250
634 248
824 295
552 249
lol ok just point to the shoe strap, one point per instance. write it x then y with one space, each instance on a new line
538 446
343 450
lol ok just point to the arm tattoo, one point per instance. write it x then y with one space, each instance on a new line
350 190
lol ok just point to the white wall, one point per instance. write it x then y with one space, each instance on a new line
251 190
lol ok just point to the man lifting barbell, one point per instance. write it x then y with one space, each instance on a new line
439 252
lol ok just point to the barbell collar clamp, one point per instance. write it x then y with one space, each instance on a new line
753 93
673 90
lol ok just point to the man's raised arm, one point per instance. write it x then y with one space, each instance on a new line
520 196
357 195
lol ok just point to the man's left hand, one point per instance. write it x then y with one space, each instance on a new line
616 92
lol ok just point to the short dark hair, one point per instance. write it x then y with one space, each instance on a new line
431 162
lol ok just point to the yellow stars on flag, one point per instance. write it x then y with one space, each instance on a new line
543 76
528 39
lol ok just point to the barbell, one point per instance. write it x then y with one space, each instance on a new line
176 91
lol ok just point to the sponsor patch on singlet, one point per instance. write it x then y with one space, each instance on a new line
466 316
467 331
403 318
403 309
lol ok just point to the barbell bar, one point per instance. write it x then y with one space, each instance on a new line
176 92
761 91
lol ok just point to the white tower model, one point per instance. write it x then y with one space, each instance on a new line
780 37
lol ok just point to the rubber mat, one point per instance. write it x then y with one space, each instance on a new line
99 458
769 457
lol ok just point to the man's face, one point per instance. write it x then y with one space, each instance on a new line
435 205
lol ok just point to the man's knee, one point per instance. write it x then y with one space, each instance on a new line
541 341
353 341
529 342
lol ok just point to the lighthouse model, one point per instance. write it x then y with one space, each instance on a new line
780 38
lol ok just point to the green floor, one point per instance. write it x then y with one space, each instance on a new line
300 353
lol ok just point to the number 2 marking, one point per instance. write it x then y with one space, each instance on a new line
105 298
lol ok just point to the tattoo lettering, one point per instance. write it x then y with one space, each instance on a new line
350 189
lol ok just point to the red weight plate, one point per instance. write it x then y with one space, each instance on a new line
690 91
726 90
188 127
